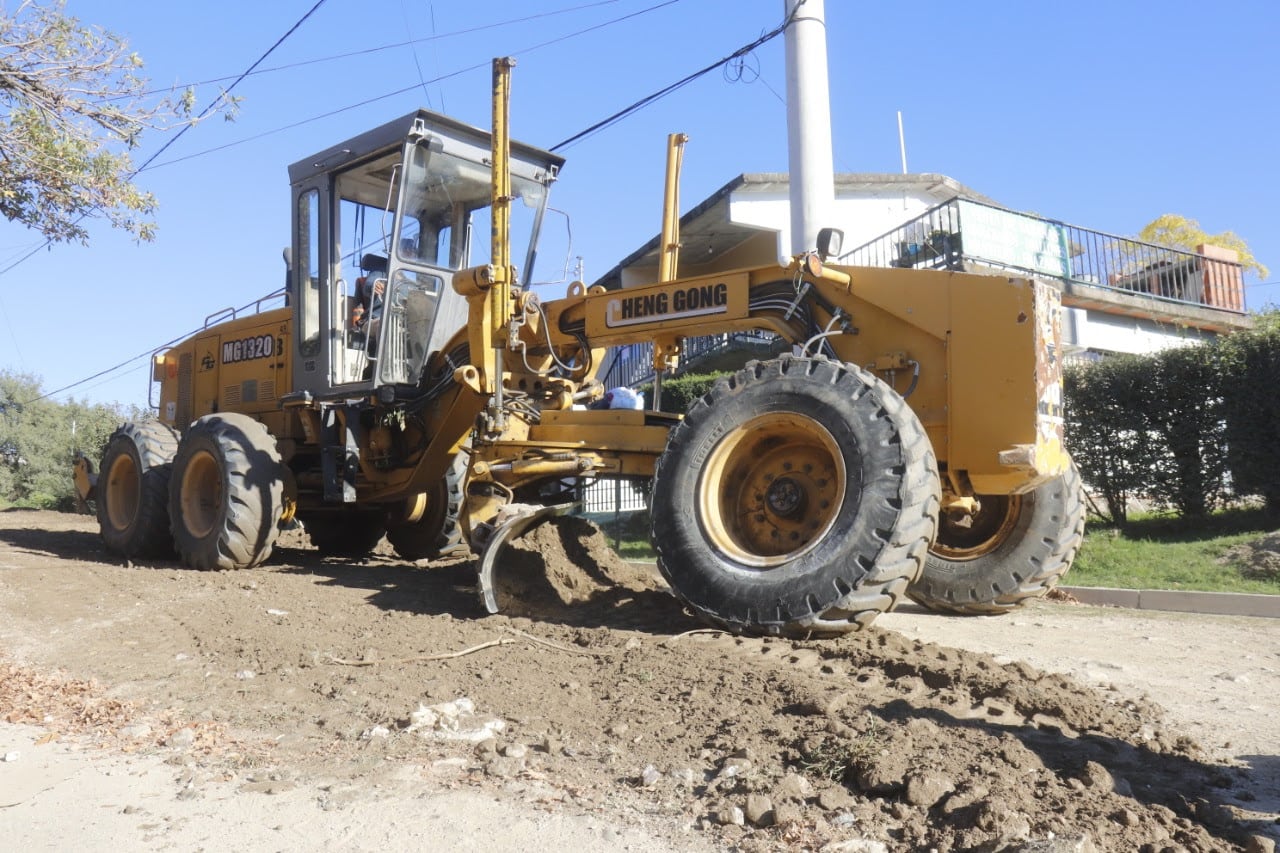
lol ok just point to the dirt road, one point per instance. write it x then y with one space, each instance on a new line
351 705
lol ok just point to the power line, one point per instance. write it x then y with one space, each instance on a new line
147 354
667 90
401 91
223 95
380 48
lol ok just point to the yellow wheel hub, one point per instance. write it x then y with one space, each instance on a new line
771 489
123 491
201 494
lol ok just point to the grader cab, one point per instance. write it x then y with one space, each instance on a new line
910 444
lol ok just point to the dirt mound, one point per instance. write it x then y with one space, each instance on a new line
1257 560
614 700
564 569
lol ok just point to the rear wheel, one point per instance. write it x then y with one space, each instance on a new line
798 497
437 532
1016 547
133 489
226 493
345 533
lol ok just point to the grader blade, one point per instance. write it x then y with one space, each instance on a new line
514 521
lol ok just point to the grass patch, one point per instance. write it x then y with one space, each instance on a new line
1164 552
1152 552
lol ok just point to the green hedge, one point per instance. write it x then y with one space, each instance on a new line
1185 428
680 393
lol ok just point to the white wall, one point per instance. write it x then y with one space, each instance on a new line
863 215
1095 330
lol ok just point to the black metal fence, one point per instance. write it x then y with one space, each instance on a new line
633 365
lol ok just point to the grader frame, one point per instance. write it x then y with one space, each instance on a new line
911 443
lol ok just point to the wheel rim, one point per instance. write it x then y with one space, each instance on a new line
985 530
201 494
771 489
124 491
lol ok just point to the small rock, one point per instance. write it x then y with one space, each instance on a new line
502 767
376 731
1213 814
1126 817
730 816
649 776
835 799
181 656
515 750
787 813
246 675
1259 844
759 810
135 731
1061 844
684 776
734 766
925 789
994 816
793 787
854 845
1097 776
618 729
181 738
487 748
12 756
632 644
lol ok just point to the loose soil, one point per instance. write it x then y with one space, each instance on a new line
338 686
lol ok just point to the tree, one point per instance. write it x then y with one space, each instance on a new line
1180 232
39 438
72 106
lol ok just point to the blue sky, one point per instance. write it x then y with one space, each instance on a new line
1100 114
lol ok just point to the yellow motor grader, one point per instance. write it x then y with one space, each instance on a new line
909 444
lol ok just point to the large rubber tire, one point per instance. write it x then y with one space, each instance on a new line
797 497
438 532
226 493
133 489
345 533
1016 549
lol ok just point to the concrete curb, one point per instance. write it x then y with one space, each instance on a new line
1213 603
1220 603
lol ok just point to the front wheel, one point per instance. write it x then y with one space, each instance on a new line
797 497
438 531
1015 548
226 494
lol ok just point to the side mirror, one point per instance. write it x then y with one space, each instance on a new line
829 242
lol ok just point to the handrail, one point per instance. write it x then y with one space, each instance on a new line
258 307
961 234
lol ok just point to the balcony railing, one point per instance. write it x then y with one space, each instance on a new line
967 235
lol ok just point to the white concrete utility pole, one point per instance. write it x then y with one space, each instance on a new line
811 162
